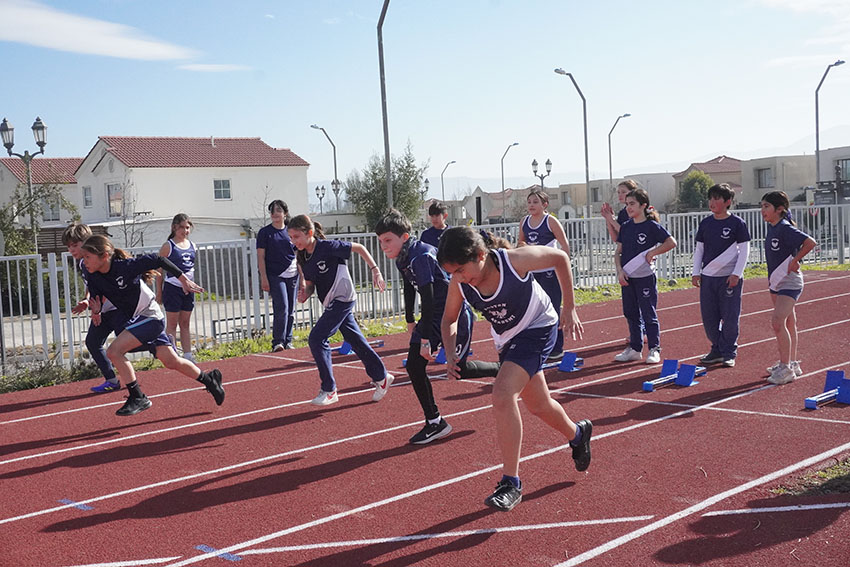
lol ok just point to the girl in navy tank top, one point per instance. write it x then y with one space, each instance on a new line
178 304
523 322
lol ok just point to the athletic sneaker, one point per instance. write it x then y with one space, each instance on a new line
278 348
212 381
782 375
795 366
134 405
107 386
771 369
555 356
581 452
628 355
431 432
711 358
729 362
654 356
505 497
382 387
189 356
325 398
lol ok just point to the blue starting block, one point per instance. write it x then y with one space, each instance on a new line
570 362
835 389
672 373
345 348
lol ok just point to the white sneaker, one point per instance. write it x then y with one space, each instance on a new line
628 355
189 356
782 375
382 387
795 366
772 369
654 356
325 398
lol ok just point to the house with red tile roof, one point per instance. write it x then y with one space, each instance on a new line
722 169
42 170
225 183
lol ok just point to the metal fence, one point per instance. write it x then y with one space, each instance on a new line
37 294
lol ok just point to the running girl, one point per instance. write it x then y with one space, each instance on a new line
178 303
524 325
639 241
539 228
323 268
116 277
785 247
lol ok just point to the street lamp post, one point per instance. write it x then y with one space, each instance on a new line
320 193
541 176
427 184
442 184
39 132
610 167
504 202
586 157
335 184
817 120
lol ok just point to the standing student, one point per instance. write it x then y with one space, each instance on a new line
613 223
417 262
278 273
640 240
116 277
323 267
785 247
720 256
499 284
178 304
539 228
438 213
111 320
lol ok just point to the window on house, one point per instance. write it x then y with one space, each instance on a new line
765 178
594 194
115 197
844 164
87 200
50 210
566 198
221 188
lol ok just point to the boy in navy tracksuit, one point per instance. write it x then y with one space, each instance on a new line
417 262
720 256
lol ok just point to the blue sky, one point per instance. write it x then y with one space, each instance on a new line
465 78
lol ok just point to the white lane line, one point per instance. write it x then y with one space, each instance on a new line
159 561
626 538
774 509
452 534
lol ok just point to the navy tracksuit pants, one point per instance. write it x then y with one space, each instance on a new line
721 309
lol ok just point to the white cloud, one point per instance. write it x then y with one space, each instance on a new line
269 16
213 68
331 21
29 22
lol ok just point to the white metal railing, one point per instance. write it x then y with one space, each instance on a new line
37 294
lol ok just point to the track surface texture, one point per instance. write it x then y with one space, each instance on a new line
680 476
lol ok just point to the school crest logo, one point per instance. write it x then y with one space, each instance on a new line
641 238
730 291
119 281
646 292
322 266
774 244
187 258
532 237
498 314
726 233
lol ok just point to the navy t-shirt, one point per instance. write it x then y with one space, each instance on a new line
638 239
279 249
419 267
720 239
327 269
123 285
781 243
431 235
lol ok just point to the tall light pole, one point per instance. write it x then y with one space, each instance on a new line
586 156
387 165
504 202
427 184
610 167
817 120
335 184
542 176
443 185
39 132
320 193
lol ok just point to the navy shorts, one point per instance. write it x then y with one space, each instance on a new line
149 331
792 293
174 299
530 348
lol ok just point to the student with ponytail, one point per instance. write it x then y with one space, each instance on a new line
785 247
178 304
278 273
323 268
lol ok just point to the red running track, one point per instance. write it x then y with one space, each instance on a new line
679 476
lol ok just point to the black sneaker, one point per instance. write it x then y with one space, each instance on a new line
431 432
711 358
134 405
505 497
581 452
212 381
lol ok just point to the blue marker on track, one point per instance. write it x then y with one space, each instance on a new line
75 505
208 549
